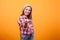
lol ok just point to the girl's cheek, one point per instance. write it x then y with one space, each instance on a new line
24 11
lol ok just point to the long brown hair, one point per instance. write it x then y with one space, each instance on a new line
30 15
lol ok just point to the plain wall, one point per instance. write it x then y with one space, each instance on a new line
45 16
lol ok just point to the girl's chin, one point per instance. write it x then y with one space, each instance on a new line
26 15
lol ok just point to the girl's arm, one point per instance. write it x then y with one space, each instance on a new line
25 24
19 20
22 22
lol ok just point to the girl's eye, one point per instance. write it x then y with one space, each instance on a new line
26 9
29 10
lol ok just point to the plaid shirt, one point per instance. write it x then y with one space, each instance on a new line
29 29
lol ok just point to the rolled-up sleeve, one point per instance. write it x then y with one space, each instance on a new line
19 20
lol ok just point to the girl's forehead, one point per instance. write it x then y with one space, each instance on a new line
28 8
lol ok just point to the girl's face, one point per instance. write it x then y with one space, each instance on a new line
27 11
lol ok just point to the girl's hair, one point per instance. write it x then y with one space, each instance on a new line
30 15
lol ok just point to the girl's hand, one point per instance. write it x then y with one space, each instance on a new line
25 24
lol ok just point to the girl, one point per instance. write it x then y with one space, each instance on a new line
25 23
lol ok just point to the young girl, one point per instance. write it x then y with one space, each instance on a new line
25 23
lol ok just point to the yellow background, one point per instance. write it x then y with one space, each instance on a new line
46 19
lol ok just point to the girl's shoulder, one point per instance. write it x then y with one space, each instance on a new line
20 16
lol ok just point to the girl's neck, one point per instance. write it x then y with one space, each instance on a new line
25 16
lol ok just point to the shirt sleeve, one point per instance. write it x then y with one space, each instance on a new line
19 20
30 24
